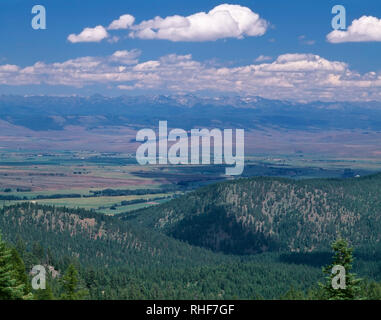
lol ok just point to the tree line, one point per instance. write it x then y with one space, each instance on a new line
79 283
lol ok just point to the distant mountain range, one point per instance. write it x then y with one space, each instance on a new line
41 113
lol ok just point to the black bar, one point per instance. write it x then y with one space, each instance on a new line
189 310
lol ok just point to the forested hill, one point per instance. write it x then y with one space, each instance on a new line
262 214
137 255
95 239
118 260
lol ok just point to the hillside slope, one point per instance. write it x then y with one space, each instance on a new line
263 214
95 239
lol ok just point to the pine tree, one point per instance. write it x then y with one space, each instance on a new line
10 286
46 294
343 256
372 290
20 271
70 284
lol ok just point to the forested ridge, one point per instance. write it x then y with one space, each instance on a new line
118 261
255 215
259 238
94 238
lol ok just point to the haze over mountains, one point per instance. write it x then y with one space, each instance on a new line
345 129
54 113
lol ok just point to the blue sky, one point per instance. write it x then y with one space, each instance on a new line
292 48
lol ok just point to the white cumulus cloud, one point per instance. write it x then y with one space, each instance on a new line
291 76
96 34
9 68
124 22
263 58
364 29
224 21
125 57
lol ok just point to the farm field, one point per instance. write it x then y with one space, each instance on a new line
76 179
107 205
